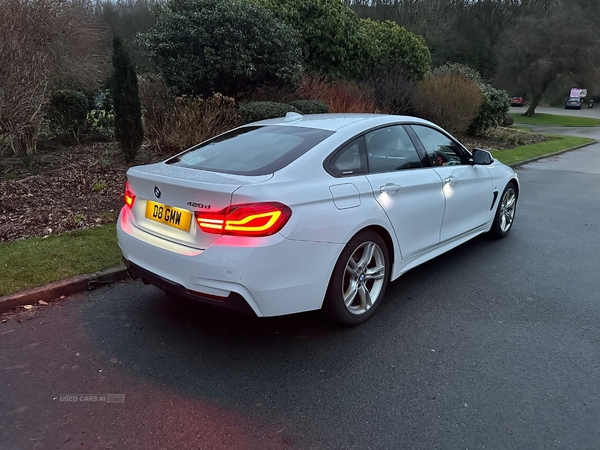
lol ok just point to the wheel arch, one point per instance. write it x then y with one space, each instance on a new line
385 235
515 181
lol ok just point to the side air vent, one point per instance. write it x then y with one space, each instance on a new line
494 200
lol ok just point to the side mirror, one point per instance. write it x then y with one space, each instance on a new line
482 157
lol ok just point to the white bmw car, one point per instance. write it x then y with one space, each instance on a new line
309 212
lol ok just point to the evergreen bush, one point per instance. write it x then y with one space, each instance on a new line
67 113
201 47
310 106
255 111
129 130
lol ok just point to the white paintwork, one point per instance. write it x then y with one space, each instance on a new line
416 209
422 214
468 194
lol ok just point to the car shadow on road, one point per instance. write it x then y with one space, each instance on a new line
151 329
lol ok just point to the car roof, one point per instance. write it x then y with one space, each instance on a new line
334 122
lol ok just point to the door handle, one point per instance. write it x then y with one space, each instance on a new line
451 180
390 188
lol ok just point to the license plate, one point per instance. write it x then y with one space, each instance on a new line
169 215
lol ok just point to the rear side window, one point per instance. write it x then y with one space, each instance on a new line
257 150
348 161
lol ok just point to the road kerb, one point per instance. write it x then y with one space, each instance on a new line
549 155
70 286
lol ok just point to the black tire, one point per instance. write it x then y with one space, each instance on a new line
505 212
375 277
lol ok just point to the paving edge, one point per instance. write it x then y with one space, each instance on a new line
549 155
89 281
70 286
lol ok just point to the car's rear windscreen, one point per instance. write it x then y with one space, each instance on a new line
253 150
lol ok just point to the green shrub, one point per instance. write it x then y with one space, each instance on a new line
495 106
201 47
67 113
496 102
310 106
332 42
254 111
391 46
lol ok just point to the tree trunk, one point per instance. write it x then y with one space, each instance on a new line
535 101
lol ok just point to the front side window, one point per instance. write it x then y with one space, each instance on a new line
441 150
390 149
256 150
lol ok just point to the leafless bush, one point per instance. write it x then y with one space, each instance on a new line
157 104
394 92
172 125
341 96
451 101
44 44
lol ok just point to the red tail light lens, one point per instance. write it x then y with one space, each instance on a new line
129 195
247 219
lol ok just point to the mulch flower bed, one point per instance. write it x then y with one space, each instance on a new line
66 188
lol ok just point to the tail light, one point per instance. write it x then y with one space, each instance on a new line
129 195
247 219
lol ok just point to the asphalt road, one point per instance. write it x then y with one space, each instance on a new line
583 112
494 345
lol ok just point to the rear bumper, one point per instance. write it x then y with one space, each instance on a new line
273 275
233 301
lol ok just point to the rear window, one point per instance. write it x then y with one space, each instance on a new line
256 150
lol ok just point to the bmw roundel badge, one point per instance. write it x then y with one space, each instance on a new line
157 192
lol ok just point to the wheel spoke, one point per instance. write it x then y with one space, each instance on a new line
351 270
510 201
352 264
375 273
367 254
365 297
350 295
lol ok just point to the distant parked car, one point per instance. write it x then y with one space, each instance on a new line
516 101
573 103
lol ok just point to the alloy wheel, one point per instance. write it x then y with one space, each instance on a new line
363 279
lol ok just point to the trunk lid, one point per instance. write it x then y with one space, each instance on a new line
167 196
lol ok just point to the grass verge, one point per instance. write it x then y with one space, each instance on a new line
526 152
33 262
553 119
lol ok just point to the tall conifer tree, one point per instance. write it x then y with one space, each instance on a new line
129 130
